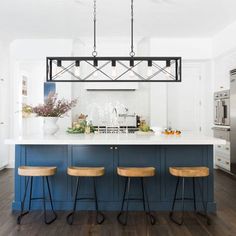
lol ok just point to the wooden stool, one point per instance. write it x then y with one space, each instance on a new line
194 173
86 172
135 172
37 171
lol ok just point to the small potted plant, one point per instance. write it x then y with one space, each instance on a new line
52 109
27 111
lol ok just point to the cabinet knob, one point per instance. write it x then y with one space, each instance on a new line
1 123
116 148
111 148
219 159
227 163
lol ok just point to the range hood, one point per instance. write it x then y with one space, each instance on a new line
107 86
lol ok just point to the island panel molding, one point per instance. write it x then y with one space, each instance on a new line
110 186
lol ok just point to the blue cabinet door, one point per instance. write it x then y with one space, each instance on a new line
184 156
36 155
139 156
94 156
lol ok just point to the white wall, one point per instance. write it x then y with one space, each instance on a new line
187 48
5 96
224 41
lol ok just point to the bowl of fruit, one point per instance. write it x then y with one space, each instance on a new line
171 132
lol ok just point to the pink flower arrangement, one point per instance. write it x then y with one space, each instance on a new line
54 107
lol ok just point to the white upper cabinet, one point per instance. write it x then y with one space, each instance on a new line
223 65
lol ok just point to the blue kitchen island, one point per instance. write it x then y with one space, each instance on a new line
111 151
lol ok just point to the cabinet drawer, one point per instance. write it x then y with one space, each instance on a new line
221 134
223 149
222 162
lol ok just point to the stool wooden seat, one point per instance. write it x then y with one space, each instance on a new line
36 171
86 171
136 171
200 171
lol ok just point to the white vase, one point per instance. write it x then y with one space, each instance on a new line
50 126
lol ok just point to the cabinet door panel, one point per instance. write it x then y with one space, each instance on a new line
94 156
184 156
140 156
49 156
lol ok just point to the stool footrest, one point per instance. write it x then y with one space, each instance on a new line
133 199
186 198
126 199
183 198
30 179
100 216
85 198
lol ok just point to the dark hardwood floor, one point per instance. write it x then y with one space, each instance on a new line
223 223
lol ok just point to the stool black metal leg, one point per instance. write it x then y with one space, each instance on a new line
22 213
123 201
70 217
126 189
127 206
98 213
50 198
44 201
203 204
174 200
183 193
182 199
145 196
194 195
31 187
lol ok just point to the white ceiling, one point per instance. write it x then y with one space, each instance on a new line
73 18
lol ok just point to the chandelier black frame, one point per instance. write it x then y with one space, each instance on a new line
129 64
112 61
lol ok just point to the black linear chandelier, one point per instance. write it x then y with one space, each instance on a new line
114 69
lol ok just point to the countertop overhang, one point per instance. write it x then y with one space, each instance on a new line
115 139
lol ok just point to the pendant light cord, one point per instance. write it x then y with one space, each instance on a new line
94 53
132 53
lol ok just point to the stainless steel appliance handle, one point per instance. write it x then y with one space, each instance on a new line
221 113
221 128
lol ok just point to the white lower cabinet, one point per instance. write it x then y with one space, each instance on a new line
222 156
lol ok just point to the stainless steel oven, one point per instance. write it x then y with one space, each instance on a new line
221 108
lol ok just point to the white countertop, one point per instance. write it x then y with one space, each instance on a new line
115 139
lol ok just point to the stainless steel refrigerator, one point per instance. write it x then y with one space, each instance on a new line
233 120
